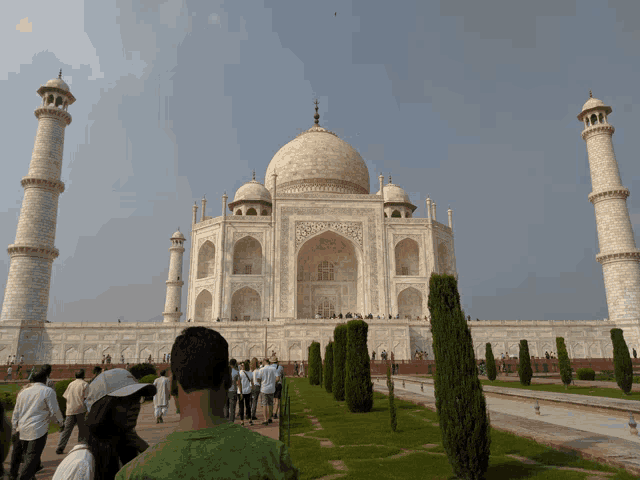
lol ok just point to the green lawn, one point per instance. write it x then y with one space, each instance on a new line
415 429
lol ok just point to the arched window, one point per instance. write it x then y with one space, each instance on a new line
58 102
600 117
587 118
238 212
251 211
396 214
264 213
594 119
325 308
325 271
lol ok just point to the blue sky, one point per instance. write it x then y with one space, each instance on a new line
473 103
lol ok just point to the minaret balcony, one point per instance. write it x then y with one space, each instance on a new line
611 192
53 185
49 253
52 111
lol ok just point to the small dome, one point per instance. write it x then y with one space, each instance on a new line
592 103
58 83
177 234
394 194
252 191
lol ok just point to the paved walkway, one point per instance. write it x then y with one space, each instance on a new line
147 428
602 436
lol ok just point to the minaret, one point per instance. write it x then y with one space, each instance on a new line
618 253
33 252
172 311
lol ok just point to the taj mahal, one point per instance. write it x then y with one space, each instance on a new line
284 258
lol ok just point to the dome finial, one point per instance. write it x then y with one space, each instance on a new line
60 74
254 174
389 178
590 94
316 116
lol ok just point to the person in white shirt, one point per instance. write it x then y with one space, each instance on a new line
161 399
75 395
34 408
244 394
267 378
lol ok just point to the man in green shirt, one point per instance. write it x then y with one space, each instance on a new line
205 444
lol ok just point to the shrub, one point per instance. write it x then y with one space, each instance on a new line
525 371
315 364
537 366
60 387
339 361
358 387
545 367
622 361
392 404
8 400
460 403
563 362
586 374
328 367
492 371
141 369
148 379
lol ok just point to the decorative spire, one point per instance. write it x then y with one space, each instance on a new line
254 175
389 178
316 116
178 228
590 94
60 74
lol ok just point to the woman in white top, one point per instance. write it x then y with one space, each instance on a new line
255 388
244 394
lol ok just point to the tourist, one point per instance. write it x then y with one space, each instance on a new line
75 395
104 357
230 404
302 368
149 360
278 393
96 371
340 316
255 388
121 359
267 379
108 359
244 394
107 440
635 354
5 439
373 355
162 396
34 408
9 360
204 440
9 373
21 359
295 368
164 358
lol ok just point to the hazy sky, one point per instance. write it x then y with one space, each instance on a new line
471 102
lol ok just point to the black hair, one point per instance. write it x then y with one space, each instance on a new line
163 373
199 360
47 368
80 373
39 377
233 362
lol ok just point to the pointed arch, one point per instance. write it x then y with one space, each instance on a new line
396 214
247 256
206 260
246 305
251 211
410 303
407 253
204 304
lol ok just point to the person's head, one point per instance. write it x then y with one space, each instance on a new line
200 360
97 370
40 377
163 373
265 361
254 363
241 366
47 368
274 360
80 374
233 363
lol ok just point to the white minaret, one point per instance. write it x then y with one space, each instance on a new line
172 311
618 253
32 254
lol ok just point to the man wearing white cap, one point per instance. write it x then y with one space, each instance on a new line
108 439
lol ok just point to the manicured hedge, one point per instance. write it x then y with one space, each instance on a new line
586 374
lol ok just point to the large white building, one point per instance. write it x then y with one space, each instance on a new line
312 242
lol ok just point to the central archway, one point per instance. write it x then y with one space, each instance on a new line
329 277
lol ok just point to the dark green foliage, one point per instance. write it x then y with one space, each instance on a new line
622 361
315 364
358 387
392 404
525 372
8 399
586 374
148 379
328 367
563 362
141 369
545 367
460 403
339 361
60 387
492 371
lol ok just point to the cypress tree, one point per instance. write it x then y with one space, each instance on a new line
339 360
525 372
563 362
492 371
358 387
392 404
328 367
460 402
622 361
315 364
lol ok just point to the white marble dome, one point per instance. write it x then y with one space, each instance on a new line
178 234
58 83
252 191
317 160
591 104
394 193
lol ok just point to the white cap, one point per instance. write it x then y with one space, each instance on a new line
117 382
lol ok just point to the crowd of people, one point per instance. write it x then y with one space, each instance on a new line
206 386
359 315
